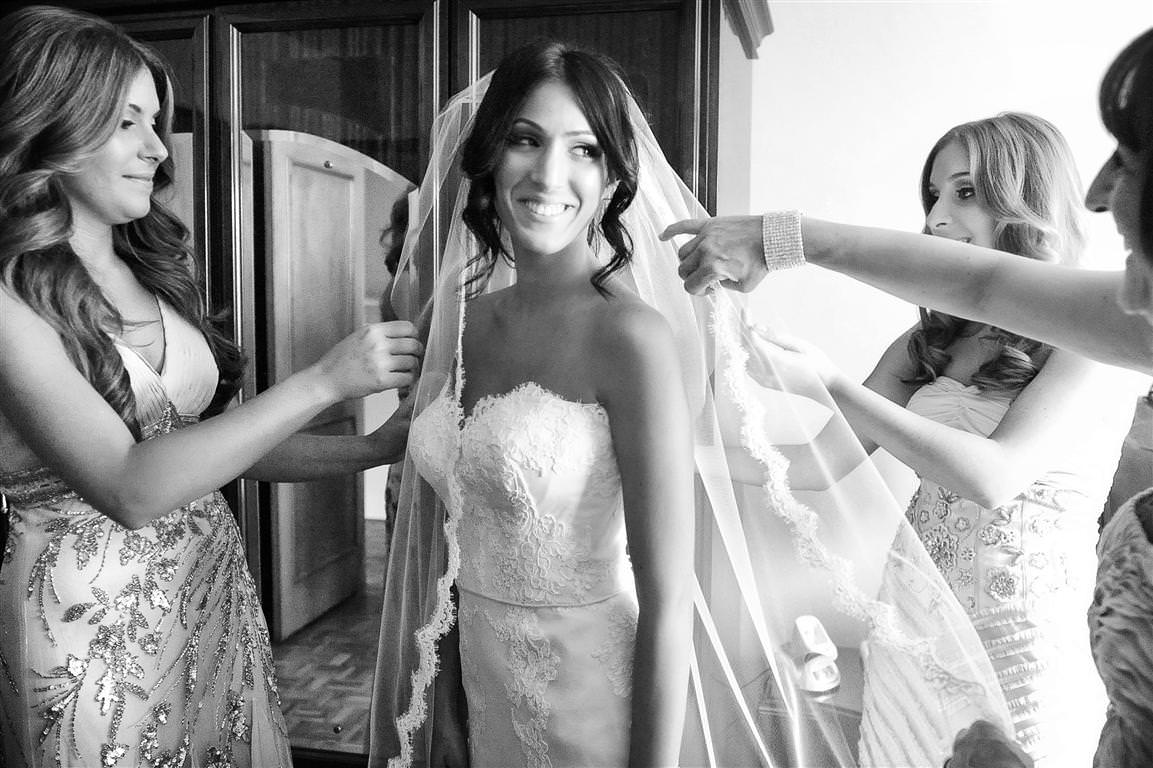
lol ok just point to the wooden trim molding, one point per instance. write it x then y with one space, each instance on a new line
750 21
303 757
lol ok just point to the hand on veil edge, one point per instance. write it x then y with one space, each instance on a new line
373 358
782 361
725 250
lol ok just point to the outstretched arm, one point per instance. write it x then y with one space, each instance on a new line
640 386
1067 399
1048 417
839 447
74 431
1068 308
305 456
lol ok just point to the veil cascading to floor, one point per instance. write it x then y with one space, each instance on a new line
779 546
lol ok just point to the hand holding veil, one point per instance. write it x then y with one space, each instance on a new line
824 633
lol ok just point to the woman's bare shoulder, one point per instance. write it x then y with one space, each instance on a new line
627 320
631 341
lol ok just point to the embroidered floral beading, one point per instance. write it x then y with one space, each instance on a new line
134 609
1017 568
942 546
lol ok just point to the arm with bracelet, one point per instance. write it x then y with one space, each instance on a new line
1070 308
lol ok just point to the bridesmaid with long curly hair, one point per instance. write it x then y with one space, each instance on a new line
130 630
1106 315
1013 465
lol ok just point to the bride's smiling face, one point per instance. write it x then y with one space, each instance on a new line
552 176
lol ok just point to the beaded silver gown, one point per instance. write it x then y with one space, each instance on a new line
127 647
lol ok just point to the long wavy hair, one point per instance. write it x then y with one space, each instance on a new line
602 96
64 80
1025 178
1126 103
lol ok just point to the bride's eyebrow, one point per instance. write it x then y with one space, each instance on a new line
525 122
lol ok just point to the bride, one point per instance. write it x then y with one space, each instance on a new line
596 559
565 401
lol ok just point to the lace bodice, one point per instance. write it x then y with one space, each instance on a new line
533 480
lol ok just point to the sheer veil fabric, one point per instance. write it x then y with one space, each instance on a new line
912 670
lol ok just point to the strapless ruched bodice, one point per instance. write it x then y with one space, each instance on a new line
1024 573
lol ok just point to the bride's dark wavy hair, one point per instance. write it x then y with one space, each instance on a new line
1025 178
602 96
64 80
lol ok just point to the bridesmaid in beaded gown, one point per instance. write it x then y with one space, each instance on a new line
1105 315
1023 569
1015 443
130 630
155 633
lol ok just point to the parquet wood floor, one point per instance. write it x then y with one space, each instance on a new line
326 669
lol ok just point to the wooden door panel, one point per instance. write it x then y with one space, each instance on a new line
360 80
318 552
312 196
635 39
322 258
664 47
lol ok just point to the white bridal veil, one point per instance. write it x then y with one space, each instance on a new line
823 633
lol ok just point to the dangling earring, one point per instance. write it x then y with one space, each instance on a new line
594 222
596 227
505 250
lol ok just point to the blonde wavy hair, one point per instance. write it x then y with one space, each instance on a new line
1025 178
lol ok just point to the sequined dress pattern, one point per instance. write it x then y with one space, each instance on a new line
139 647
1024 573
547 608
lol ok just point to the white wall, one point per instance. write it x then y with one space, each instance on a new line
846 98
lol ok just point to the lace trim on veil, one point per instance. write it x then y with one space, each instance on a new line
444 614
803 521
664 199
427 636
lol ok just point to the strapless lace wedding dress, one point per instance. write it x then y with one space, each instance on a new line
547 607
